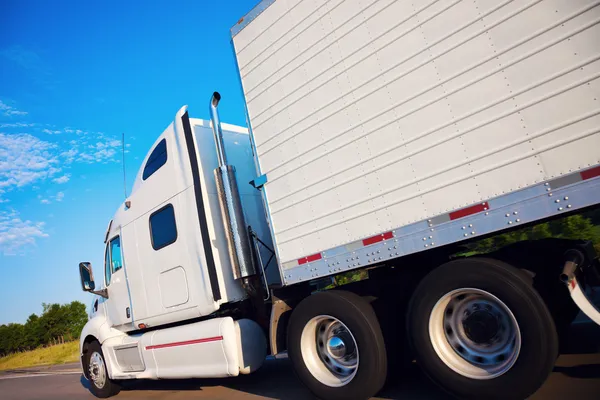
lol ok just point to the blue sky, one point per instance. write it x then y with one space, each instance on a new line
73 76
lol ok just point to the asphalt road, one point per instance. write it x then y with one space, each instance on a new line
576 376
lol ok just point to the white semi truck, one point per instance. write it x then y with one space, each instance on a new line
382 136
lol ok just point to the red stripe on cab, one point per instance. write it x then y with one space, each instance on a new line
308 259
377 238
590 173
469 211
185 343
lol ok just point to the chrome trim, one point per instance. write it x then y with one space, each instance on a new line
216 127
238 241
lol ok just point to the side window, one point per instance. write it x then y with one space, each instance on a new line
163 230
107 269
157 159
115 254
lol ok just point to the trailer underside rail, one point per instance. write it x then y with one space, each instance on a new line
536 203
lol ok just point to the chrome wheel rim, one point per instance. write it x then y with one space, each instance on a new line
97 370
329 350
474 333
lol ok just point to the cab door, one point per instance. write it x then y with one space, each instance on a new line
118 304
172 275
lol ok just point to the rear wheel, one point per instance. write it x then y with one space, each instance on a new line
480 330
336 346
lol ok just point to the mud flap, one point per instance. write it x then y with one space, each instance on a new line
583 302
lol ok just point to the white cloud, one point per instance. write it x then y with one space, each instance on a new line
10 111
17 125
69 155
62 179
51 132
104 150
16 234
25 159
48 200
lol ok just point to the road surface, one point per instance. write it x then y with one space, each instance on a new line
576 376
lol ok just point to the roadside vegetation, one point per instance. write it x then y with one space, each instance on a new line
57 354
48 338
585 226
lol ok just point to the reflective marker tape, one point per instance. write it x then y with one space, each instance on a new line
377 238
469 211
185 343
590 173
308 259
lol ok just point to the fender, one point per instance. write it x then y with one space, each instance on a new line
98 327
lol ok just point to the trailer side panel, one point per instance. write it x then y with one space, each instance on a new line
372 115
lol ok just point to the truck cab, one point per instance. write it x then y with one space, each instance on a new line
166 258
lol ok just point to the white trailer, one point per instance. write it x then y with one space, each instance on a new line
382 136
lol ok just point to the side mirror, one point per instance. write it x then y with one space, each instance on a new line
87 277
87 280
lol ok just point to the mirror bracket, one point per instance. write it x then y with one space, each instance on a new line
101 293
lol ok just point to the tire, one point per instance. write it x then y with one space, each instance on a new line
353 320
509 361
94 358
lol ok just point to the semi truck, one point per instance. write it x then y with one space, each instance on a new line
382 137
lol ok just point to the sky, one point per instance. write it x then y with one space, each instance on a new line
74 77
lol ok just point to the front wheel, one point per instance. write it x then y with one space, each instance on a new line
480 330
100 384
336 346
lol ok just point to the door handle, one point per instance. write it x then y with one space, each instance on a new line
128 312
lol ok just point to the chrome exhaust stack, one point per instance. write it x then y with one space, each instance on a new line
236 230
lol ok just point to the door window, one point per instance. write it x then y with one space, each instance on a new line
163 230
115 254
107 268
112 260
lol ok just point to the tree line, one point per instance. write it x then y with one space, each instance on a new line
57 323
585 226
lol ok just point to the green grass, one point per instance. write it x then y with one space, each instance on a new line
58 354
